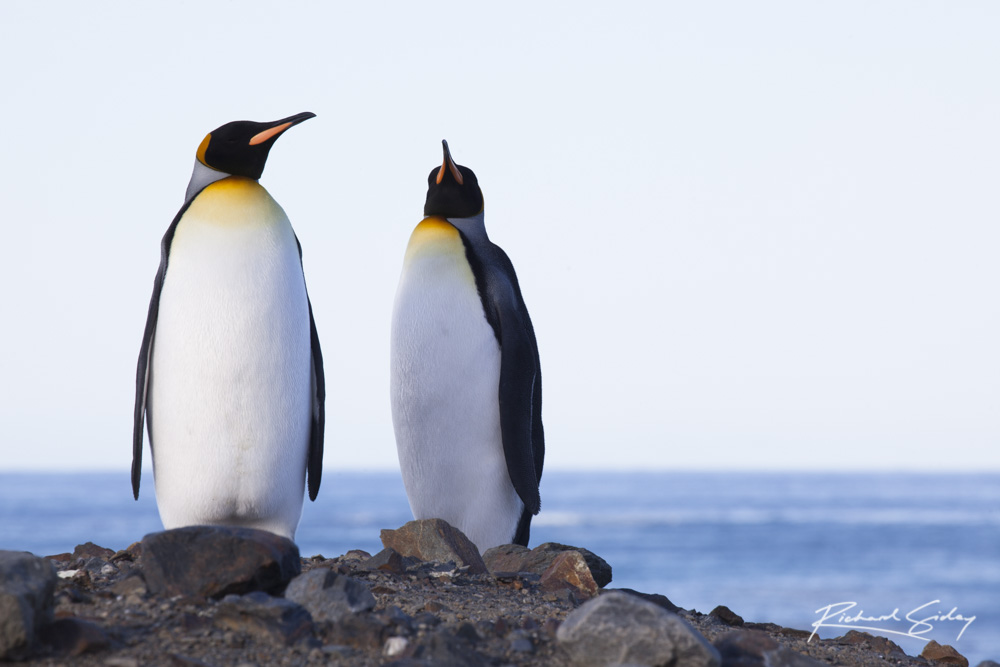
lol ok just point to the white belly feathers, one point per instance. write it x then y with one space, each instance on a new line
445 373
229 387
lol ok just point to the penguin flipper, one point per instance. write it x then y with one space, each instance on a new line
317 427
146 352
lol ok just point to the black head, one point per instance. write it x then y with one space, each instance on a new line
453 190
240 148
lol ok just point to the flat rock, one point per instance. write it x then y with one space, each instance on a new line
329 596
515 558
215 561
569 570
280 620
27 583
618 628
435 540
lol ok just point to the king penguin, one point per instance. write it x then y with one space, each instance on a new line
230 376
465 380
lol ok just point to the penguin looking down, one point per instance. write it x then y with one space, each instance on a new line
230 376
465 379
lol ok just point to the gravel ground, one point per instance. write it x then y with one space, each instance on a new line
427 613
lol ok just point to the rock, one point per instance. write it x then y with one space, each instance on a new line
259 614
444 649
569 569
215 561
507 558
515 558
389 560
329 596
726 615
655 598
988 663
395 647
943 654
91 550
745 648
435 540
74 636
618 628
27 583
877 643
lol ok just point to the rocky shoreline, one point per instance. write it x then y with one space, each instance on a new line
224 596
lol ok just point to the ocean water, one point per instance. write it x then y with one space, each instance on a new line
772 547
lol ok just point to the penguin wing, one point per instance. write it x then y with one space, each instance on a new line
317 427
520 391
146 352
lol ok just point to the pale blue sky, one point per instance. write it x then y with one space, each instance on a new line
751 235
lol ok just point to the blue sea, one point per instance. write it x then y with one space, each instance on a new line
773 547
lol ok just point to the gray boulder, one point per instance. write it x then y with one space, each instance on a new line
618 628
329 596
215 561
27 584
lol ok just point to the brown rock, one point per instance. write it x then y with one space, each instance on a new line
515 558
943 654
726 615
91 550
435 540
569 570
508 558
215 561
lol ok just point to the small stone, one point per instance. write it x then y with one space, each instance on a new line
27 583
618 628
395 646
435 540
356 554
569 569
74 636
329 596
726 615
215 561
943 654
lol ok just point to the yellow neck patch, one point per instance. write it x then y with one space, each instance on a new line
435 235
202 147
236 200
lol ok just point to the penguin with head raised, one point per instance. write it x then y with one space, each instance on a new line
230 377
465 380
